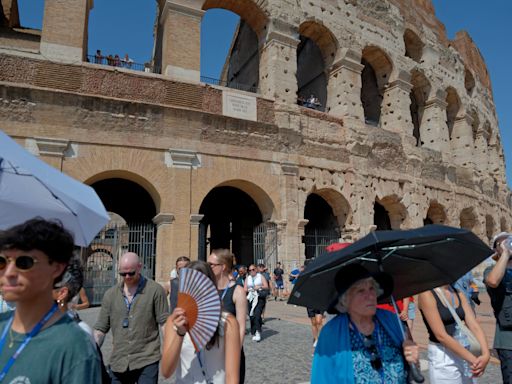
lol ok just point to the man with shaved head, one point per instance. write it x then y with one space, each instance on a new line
133 310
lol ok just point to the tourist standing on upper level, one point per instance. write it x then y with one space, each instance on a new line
133 310
498 280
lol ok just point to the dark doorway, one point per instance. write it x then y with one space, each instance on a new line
230 218
322 228
126 198
311 78
381 218
371 97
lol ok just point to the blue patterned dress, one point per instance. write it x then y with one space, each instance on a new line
392 370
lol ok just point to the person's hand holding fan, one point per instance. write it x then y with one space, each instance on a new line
199 298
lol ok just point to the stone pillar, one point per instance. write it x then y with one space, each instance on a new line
396 106
181 39
344 88
64 36
480 156
433 127
461 143
164 263
195 220
278 68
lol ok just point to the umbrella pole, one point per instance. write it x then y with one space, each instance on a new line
414 372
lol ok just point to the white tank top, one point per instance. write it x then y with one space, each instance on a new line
254 282
213 360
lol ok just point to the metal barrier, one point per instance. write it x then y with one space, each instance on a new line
122 63
229 84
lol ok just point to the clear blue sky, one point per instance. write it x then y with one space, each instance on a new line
131 31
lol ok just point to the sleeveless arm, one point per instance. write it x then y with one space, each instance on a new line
240 301
232 350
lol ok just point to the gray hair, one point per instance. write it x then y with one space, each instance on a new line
73 278
342 306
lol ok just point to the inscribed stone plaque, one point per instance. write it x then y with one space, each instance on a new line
239 106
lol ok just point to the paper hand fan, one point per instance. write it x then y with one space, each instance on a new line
199 298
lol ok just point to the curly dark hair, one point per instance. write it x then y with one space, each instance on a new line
73 278
49 237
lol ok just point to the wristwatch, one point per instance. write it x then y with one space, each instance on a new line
178 332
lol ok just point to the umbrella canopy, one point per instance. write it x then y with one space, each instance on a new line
30 188
418 260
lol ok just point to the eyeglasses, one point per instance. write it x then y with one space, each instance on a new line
375 359
124 274
23 263
251 269
213 264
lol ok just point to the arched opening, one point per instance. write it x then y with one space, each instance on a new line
315 55
118 195
475 124
503 225
230 219
395 213
121 34
381 218
419 95
490 229
452 109
322 228
468 219
375 75
487 132
413 45
436 214
469 81
230 36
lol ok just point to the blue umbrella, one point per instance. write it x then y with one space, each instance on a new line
31 188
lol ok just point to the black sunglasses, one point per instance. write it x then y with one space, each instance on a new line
22 263
251 269
375 359
131 273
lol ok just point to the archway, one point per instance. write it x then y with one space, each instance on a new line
419 95
413 45
230 219
452 108
489 227
374 77
468 219
315 55
436 214
381 218
389 213
322 228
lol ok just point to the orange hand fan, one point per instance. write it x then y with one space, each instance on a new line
199 298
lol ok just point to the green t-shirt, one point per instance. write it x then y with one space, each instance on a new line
61 353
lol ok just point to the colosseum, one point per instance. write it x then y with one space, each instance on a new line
401 131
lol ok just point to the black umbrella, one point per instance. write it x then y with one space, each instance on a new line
418 260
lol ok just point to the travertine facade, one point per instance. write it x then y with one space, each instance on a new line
407 133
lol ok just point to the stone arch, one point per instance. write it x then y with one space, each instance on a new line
469 81
315 55
395 210
339 205
490 227
130 177
487 132
419 95
248 11
413 45
256 193
468 218
475 123
452 109
377 68
436 214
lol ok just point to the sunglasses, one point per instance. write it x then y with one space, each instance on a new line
375 359
22 263
124 274
251 269
213 265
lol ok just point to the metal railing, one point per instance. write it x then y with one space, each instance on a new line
122 63
233 85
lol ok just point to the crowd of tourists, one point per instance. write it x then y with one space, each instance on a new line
43 339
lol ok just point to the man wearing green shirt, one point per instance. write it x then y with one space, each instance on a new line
133 310
38 344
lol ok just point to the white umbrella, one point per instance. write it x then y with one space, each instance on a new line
30 188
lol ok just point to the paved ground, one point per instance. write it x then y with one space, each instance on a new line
284 354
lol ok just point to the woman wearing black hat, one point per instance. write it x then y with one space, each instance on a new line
362 344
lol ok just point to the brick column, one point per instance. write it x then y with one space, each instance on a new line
344 88
396 112
163 261
462 141
64 36
433 128
181 39
278 68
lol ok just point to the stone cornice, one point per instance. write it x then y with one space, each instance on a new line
163 218
195 219
51 147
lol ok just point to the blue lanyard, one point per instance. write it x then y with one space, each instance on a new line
224 293
29 337
202 367
129 303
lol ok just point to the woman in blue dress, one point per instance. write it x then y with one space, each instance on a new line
362 344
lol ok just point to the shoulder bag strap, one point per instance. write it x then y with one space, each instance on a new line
447 304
